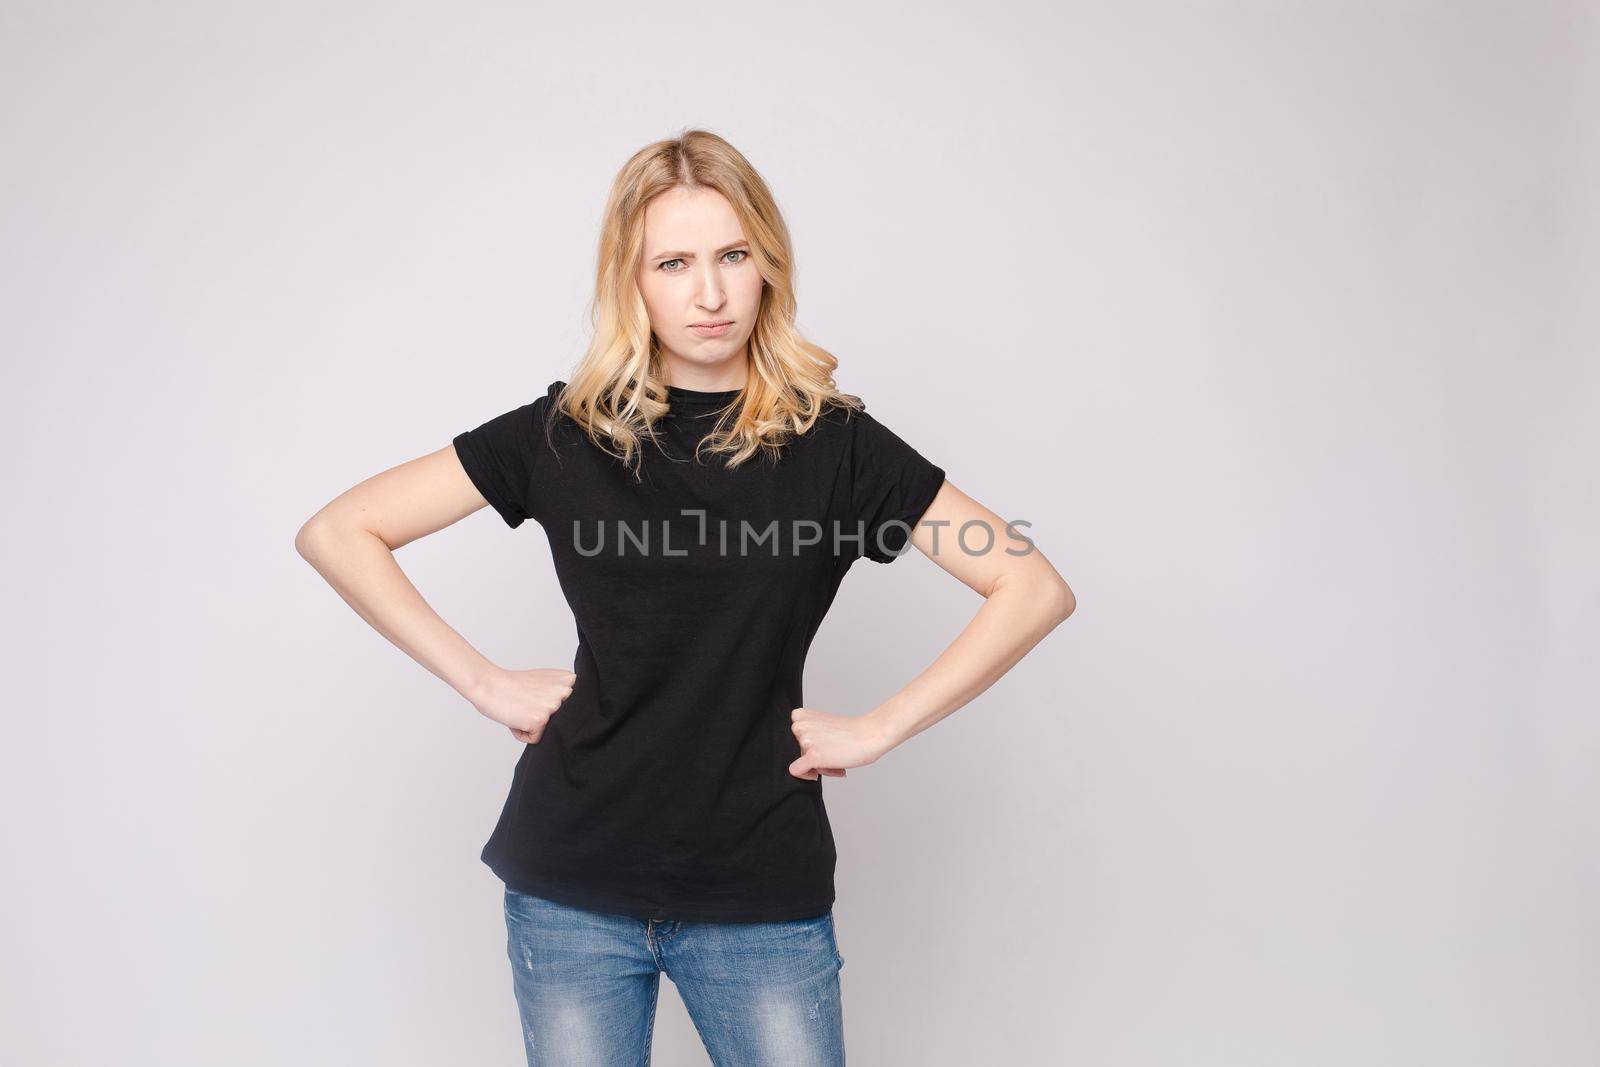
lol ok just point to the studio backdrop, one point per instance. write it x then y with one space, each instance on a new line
1275 322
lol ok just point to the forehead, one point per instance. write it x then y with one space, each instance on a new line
684 218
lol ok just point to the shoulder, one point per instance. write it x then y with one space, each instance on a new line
842 417
858 430
855 424
553 424
547 408
872 444
552 396
526 423
541 414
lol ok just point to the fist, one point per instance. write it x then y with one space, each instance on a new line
524 701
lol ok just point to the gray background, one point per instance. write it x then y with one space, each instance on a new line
1276 320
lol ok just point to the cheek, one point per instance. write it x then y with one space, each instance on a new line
652 298
749 293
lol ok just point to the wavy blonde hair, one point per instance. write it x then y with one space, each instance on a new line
618 392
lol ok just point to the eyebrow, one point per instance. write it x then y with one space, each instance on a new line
690 255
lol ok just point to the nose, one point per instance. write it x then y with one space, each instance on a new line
709 293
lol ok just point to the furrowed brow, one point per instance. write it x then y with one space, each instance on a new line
690 255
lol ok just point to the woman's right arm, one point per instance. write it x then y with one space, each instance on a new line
351 542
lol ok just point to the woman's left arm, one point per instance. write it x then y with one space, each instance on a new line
1024 599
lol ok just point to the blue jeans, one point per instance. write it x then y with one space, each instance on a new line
764 993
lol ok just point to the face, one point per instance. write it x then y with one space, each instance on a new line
697 269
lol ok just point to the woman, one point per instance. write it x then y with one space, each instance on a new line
704 488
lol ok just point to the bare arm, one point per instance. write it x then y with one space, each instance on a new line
1024 599
351 542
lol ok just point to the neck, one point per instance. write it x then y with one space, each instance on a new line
723 376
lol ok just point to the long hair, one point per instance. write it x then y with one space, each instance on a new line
618 391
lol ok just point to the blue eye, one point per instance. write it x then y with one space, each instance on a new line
662 266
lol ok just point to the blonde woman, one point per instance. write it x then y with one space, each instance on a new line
704 487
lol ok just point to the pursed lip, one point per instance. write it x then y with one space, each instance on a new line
720 322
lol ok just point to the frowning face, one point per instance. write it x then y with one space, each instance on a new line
701 287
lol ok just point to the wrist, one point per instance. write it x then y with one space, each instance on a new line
886 732
475 684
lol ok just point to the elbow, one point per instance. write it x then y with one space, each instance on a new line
329 535
1065 602
309 539
1052 597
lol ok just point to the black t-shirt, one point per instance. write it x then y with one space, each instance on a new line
660 788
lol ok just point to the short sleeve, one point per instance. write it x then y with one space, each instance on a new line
502 458
892 485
